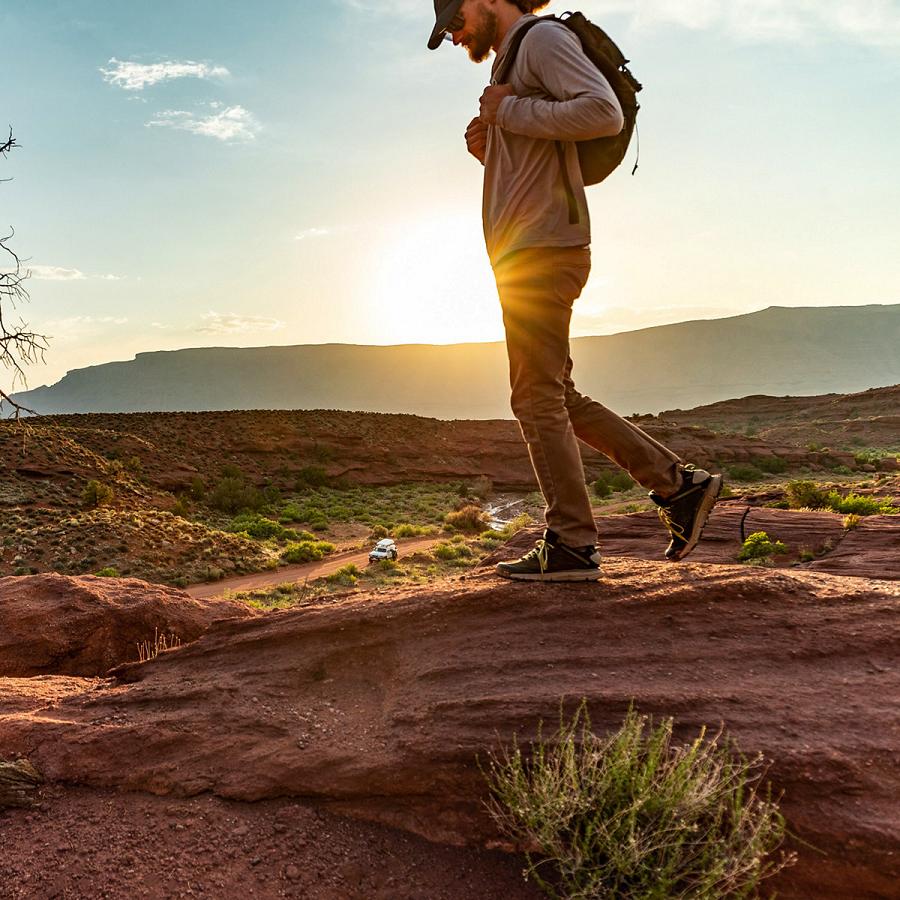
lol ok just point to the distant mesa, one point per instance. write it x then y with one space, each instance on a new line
777 351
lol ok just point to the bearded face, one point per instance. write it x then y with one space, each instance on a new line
483 36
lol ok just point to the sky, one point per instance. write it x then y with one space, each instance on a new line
213 173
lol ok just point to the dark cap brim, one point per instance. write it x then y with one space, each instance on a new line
440 27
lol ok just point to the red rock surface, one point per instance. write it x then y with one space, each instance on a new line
56 624
380 705
871 549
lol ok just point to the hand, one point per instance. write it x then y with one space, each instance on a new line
476 139
491 99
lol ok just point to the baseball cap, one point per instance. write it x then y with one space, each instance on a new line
444 11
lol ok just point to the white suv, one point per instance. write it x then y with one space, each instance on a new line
385 549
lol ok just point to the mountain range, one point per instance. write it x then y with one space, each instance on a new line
777 351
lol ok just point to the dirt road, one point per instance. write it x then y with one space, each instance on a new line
303 571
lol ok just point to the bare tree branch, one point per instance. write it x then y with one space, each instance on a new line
19 347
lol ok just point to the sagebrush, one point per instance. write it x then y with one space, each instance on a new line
633 816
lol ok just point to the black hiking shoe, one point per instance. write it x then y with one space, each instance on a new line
551 560
685 513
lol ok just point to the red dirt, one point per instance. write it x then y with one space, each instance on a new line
380 705
103 845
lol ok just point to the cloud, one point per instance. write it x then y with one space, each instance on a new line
62 273
230 123
83 323
312 233
872 22
133 76
232 323
56 273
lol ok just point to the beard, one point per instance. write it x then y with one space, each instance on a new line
482 41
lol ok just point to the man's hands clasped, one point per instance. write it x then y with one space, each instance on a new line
476 133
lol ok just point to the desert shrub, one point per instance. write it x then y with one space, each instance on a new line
257 526
869 457
306 551
744 473
198 488
107 572
851 521
233 494
96 494
407 530
774 465
806 555
805 495
759 547
611 482
470 518
450 552
602 488
347 575
311 476
181 507
513 526
483 487
378 532
633 817
860 504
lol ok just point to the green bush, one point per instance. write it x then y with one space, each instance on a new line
107 572
257 526
602 488
744 473
378 532
759 547
470 518
633 817
450 552
407 530
347 575
233 494
311 476
860 504
198 488
96 494
805 495
306 551
609 482
774 465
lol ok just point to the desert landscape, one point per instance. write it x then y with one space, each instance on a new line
207 690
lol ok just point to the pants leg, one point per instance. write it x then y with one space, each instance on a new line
649 463
537 288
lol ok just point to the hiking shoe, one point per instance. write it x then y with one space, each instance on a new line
551 560
685 513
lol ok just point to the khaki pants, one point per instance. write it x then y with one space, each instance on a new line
537 288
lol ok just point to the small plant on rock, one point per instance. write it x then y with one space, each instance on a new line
758 548
631 816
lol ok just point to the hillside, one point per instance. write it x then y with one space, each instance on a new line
775 351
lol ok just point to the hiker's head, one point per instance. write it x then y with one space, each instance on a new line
477 24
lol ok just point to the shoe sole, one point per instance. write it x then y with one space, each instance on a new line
583 575
709 501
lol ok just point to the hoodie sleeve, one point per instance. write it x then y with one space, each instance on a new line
551 62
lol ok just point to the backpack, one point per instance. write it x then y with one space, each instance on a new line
601 156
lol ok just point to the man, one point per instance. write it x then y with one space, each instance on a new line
538 244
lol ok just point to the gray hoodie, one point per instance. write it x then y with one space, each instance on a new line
560 96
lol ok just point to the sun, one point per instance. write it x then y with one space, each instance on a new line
431 283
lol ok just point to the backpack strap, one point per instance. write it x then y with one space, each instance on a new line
500 77
512 51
